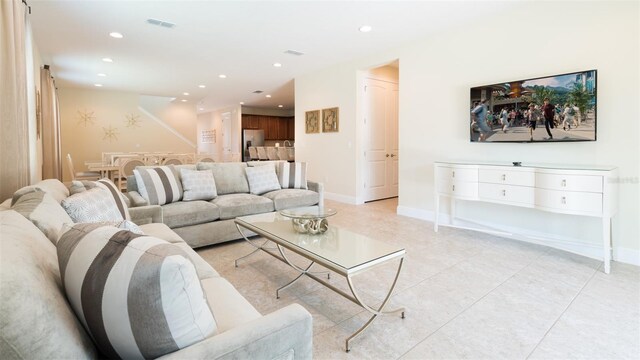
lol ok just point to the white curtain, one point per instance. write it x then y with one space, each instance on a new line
14 131
51 157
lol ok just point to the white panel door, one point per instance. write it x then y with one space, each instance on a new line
226 136
380 139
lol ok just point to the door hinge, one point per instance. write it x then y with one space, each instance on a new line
365 121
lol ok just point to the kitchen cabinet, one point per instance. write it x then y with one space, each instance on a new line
275 127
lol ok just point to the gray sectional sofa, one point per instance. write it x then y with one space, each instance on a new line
37 321
202 223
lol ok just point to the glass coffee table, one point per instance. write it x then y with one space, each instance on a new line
337 249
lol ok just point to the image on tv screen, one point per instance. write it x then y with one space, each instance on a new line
547 109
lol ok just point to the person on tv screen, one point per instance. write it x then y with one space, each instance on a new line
504 119
531 116
479 114
548 111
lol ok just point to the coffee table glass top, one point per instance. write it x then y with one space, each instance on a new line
338 248
311 212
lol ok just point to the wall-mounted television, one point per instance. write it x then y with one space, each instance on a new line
545 109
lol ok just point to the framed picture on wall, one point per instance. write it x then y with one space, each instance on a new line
312 121
330 120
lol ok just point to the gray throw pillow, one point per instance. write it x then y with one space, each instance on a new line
198 185
262 179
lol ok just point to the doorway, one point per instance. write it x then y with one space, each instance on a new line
381 155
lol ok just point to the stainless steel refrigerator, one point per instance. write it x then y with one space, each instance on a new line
251 138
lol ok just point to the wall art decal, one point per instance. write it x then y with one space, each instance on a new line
86 117
133 120
110 133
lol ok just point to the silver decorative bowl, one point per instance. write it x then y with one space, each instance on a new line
309 220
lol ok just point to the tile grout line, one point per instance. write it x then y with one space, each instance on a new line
475 302
564 311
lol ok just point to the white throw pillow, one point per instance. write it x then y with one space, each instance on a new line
138 296
262 179
198 185
121 201
93 205
292 175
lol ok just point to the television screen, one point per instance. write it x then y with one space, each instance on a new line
553 108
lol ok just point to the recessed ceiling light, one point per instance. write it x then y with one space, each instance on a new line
97 85
185 93
102 75
365 28
184 100
277 65
241 102
116 35
202 86
200 109
107 59
280 106
268 96
222 76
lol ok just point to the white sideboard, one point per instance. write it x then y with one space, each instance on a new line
577 190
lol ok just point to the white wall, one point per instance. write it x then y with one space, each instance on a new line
110 108
435 76
213 121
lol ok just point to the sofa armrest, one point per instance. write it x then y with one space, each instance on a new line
319 188
285 333
146 214
136 199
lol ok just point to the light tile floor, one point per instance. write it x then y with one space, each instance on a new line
467 294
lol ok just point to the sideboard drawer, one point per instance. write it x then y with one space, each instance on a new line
458 188
457 174
520 195
589 183
569 201
507 176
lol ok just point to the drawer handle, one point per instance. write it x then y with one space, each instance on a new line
564 182
504 192
564 200
504 177
453 173
453 188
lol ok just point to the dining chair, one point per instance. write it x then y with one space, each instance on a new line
84 175
125 168
262 153
272 153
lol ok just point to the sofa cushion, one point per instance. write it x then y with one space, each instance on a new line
138 296
292 175
36 321
44 212
198 185
159 185
93 205
121 200
52 187
230 177
185 213
234 205
291 198
229 307
262 179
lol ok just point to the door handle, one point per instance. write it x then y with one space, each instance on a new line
387 155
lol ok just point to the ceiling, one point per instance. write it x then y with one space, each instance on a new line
240 39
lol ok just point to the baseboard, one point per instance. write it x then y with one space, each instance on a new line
341 198
620 254
626 255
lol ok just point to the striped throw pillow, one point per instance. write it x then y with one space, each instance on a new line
159 185
44 212
138 296
198 185
292 175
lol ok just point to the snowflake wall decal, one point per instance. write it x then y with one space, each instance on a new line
110 133
133 120
86 117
